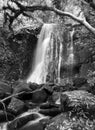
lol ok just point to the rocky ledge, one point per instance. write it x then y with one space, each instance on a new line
46 107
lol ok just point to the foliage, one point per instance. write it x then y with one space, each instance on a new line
91 78
57 3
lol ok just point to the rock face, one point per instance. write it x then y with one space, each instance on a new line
31 120
43 108
21 86
16 62
4 118
16 106
5 88
18 57
77 101
76 105
64 122
83 40
17 47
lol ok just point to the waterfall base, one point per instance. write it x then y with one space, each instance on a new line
47 102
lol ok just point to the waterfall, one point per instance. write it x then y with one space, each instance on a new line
46 64
60 59
3 126
47 60
70 58
70 51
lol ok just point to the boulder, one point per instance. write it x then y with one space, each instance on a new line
16 106
34 86
65 122
28 121
21 121
5 116
48 105
56 97
21 86
78 82
51 112
36 126
34 92
77 101
5 88
39 96
49 87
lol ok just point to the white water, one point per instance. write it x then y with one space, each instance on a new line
30 123
45 55
48 56
59 64
3 126
70 51
70 59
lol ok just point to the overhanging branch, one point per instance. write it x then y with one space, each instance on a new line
59 12
33 8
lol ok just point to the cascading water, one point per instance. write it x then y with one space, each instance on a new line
59 65
47 56
47 60
70 50
70 58
5 126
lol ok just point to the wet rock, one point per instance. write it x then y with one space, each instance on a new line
84 69
28 121
48 105
78 100
3 95
56 97
85 87
84 54
15 63
49 87
36 126
53 107
65 122
1 106
21 121
39 96
59 88
5 89
88 88
78 82
51 112
30 105
5 116
21 86
16 106
34 86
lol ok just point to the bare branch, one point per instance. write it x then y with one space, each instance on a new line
33 8
59 12
17 94
13 95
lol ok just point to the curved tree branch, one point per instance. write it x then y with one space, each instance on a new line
59 12
33 8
